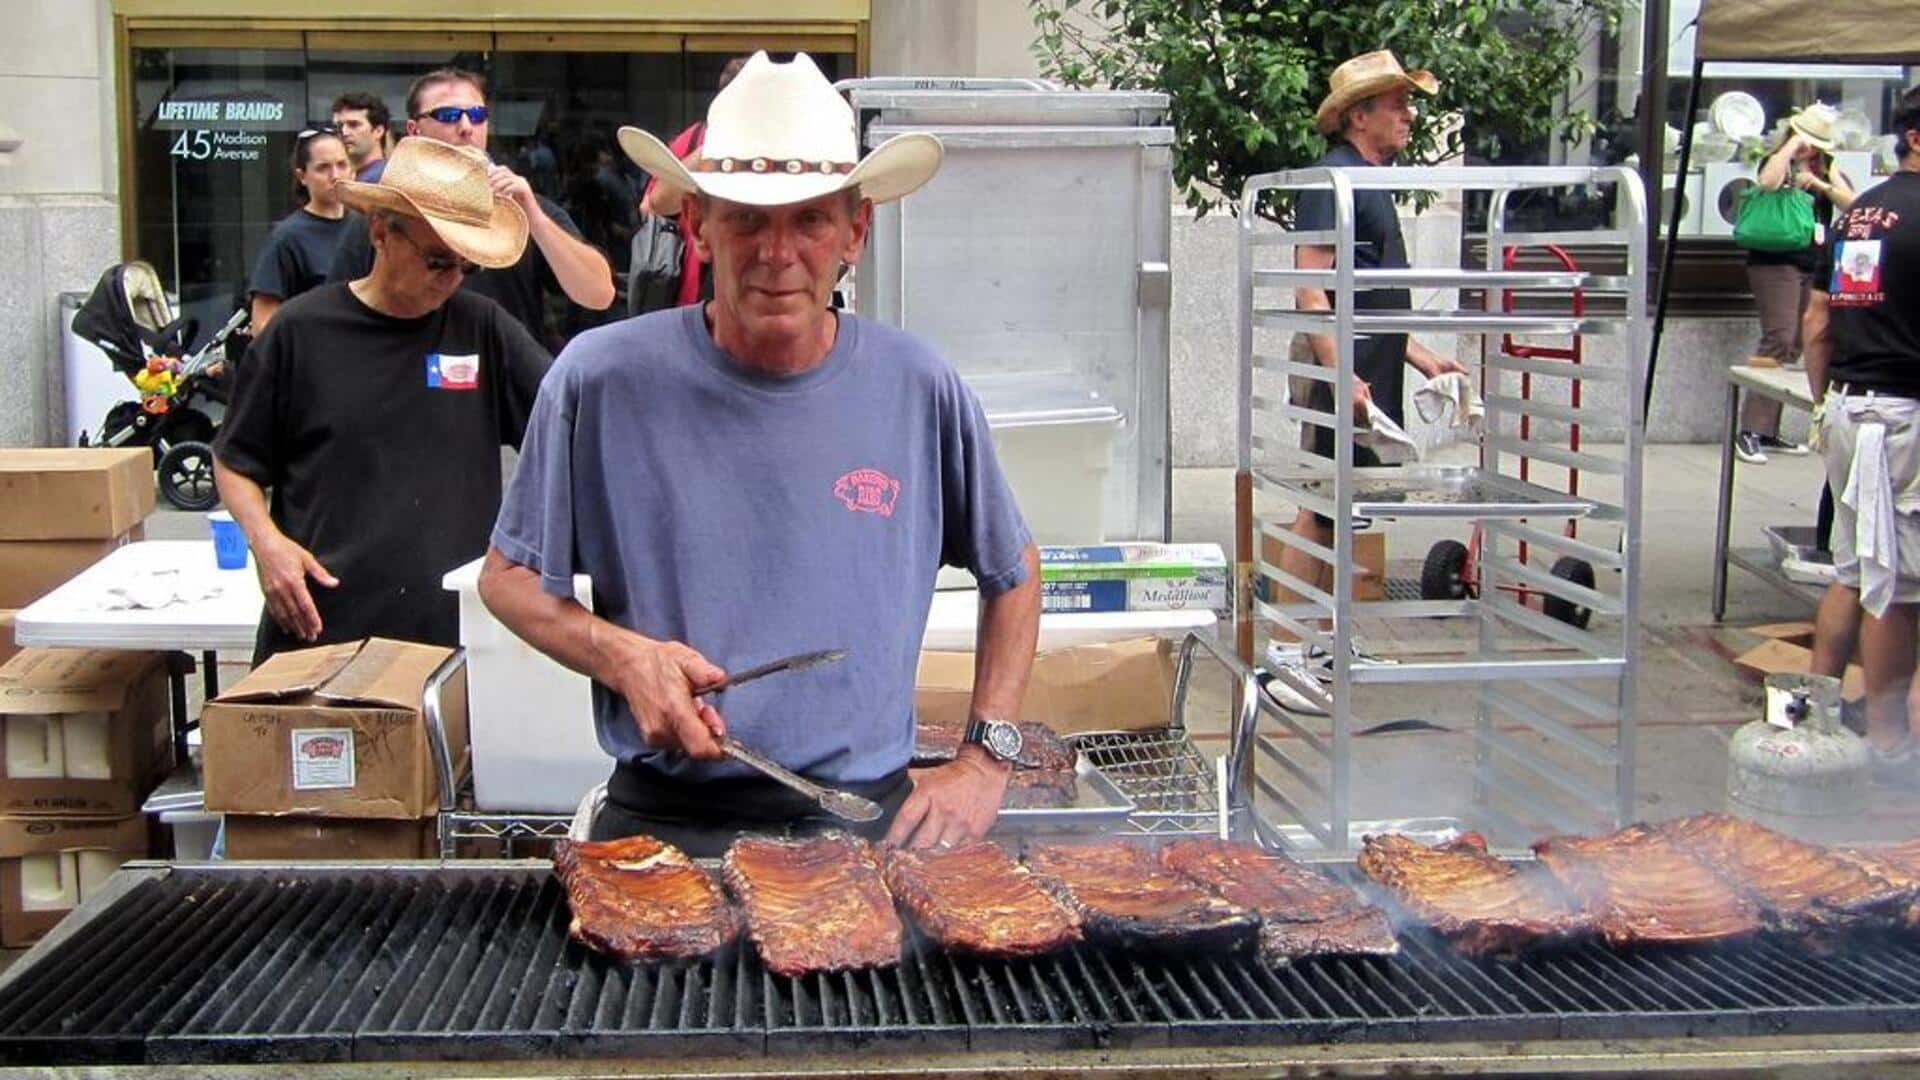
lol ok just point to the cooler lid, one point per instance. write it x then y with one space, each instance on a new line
1030 400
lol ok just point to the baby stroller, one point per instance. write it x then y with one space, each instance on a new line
128 316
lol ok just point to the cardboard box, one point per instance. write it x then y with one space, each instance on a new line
1775 656
49 865
288 838
1119 686
7 647
1369 554
30 569
1794 633
335 731
91 493
1134 577
82 731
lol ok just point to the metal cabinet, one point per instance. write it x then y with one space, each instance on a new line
1038 257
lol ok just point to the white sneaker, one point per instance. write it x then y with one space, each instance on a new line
1287 696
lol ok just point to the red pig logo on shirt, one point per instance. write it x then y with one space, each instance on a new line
867 491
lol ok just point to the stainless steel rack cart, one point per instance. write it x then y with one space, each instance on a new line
1537 676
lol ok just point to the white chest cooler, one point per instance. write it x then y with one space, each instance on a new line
530 719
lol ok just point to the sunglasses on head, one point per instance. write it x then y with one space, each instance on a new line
451 114
316 132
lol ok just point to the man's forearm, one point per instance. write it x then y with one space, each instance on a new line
581 270
557 626
1008 630
246 501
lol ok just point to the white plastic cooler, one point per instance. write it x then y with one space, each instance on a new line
530 720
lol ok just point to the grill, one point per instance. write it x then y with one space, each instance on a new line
1173 787
256 965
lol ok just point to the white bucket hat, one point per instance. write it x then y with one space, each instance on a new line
780 134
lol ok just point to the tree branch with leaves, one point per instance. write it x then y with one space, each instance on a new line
1245 76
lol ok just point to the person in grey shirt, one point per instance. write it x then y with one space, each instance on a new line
760 476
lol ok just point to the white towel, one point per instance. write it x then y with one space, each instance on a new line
158 589
1453 393
1388 440
1869 495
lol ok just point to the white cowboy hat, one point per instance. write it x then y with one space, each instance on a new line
1363 77
1815 125
780 134
446 186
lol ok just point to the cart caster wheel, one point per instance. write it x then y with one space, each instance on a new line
186 476
1444 575
1580 572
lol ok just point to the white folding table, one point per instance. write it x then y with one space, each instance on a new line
77 614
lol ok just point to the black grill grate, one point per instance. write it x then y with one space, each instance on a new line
235 966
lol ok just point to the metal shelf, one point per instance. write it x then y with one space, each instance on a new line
1438 322
1761 563
1304 773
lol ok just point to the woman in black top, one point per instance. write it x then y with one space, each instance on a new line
301 246
1781 280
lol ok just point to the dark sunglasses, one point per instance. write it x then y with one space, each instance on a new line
451 114
438 261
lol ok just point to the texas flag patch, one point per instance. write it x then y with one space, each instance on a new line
445 371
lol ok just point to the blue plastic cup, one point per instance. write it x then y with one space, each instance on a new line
229 543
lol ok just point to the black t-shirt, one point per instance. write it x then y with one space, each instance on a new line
1377 244
298 254
1872 277
379 440
520 288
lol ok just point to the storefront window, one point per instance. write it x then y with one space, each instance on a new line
214 130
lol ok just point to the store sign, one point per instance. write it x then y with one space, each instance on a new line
221 128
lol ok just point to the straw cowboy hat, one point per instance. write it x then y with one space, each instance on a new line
446 187
1814 124
1361 78
779 134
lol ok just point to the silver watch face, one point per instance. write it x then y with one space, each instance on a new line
1003 740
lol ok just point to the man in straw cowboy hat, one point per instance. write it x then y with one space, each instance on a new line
374 411
1367 117
758 476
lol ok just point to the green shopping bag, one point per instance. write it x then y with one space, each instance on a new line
1776 220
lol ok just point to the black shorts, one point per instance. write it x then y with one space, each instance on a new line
703 819
1319 441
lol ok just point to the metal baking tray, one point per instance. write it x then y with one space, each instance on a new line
1098 804
1448 491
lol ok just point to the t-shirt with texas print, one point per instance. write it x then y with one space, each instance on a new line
1872 277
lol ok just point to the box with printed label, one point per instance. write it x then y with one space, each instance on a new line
335 731
87 493
281 839
82 731
30 569
49 865
1134 577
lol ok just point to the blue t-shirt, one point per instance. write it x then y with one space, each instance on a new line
754 516
299 250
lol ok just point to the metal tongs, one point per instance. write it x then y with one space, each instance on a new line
841 804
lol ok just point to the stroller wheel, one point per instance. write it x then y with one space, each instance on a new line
186 476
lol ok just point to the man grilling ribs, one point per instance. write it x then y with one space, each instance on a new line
759 476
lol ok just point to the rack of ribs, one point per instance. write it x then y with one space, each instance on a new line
1302 912
1481 903
639 899
1042 776
816 904
1123 894
1643 887
976 899
1799 886
1899 866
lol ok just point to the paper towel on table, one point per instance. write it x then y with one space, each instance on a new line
159 589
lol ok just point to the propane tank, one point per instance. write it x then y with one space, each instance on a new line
1798 762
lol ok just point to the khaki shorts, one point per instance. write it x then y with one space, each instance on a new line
1841 418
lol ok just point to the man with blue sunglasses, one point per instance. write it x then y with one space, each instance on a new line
450 105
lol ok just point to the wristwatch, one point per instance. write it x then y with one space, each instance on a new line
1000 738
